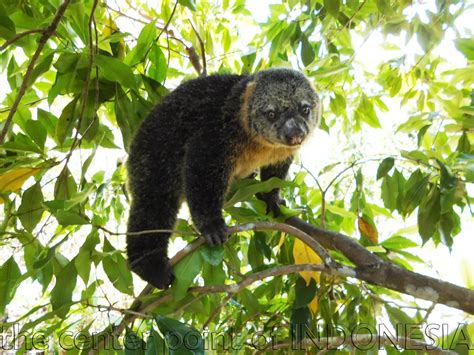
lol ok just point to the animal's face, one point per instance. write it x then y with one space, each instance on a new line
283 108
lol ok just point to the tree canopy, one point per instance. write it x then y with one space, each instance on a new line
393 178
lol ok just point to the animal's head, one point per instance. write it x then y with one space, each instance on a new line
282 107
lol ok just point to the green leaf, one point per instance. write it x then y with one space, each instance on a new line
250 188
254 256
469 172
22 143
68 218
37 132
212 255
390 192
65 186
7 27
185 272
61 295
464 145
116 269
398 242
307 51
66 121
31 208
338 104
144 41
384 6
43 65
366 112
397 317
191 4
466 46
249 301
429 214
181 338
83 260
415 155
213 274
385 166
123 111
155 344
415 190
447 179
304 294
134 345
48 121
10 275
159 64
332 7
114 70
448 223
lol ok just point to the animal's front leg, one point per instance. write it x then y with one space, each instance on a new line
272 198
207 171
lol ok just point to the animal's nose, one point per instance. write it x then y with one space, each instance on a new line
294 133
295 136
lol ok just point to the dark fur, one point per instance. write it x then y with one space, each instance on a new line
203 135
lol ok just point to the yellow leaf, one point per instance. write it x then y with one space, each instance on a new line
305 255
13 180
282 240
314 305
110 27
368 230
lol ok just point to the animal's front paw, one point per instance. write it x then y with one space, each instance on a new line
273 202
215 232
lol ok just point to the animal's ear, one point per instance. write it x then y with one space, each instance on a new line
248 92
244 109
250 86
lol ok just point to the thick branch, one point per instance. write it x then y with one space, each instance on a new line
374 270
369 268
47 33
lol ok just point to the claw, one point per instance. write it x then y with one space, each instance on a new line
215 233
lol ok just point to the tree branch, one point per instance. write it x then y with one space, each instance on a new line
376 271
20 36
203 49
47 33
369 268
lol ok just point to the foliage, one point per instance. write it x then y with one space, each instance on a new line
62 180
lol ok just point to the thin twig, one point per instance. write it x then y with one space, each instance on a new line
47 33
20 36
217 310
85 96
165 29
203 49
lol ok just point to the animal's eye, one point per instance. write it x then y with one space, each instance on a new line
271 115
305 110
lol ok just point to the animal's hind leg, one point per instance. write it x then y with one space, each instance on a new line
155 204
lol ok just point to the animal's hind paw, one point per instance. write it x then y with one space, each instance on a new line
157 272
215 233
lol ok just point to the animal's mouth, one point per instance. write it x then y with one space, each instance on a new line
285 143
295 140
